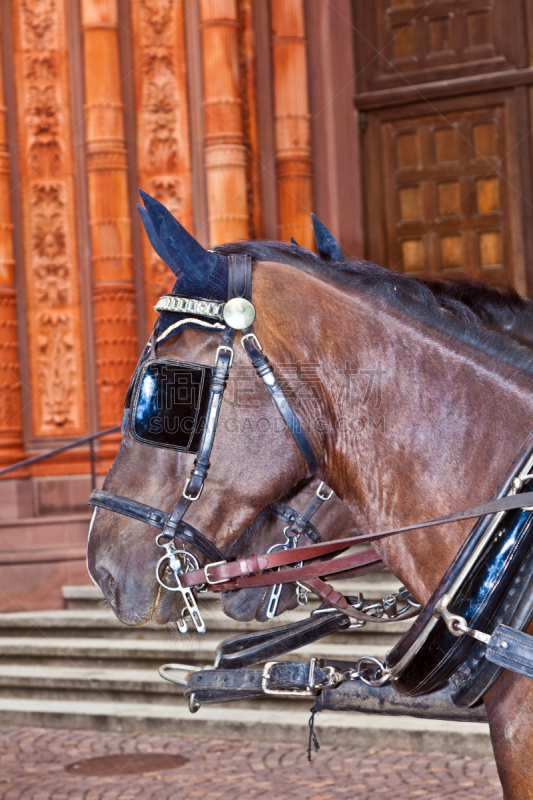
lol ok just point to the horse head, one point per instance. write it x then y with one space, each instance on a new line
255 459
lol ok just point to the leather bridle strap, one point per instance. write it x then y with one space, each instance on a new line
299 523
239 286
157 519
264 370
250 572
292 519
257 646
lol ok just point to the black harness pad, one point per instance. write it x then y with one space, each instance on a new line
476 675
478 601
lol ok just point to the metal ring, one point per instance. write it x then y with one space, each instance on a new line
290 538
177 588
193 704
180 668
385 674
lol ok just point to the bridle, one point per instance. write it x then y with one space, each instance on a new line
238 314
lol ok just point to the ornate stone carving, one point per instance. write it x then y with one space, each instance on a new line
158 16
39 24
52 292
42 115
163 151
107 168
250 121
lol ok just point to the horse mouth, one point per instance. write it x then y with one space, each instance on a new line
245 605
166 608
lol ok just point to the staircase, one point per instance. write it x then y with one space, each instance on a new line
80 668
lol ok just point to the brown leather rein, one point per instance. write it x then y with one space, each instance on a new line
249 572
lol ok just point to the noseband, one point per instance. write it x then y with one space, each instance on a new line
238 314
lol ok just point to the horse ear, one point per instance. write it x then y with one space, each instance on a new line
293 241
174 244
158 246
327 246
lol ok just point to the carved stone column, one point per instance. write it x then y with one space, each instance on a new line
11 447
225 153
48 222
113 289
293 138
162 120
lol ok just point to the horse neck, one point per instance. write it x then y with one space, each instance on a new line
448 422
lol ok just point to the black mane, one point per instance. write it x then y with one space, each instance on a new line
427 301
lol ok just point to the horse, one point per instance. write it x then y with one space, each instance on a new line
456 403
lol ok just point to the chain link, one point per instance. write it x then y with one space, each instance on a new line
369 670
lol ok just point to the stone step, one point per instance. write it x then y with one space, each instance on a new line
87 683
151 653
57 534
333 728
102 623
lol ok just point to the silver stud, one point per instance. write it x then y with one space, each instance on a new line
239 313
504 645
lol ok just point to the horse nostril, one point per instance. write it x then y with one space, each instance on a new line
109 587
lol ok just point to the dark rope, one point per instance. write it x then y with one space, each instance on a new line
313 741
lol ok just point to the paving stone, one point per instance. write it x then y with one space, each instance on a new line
33 762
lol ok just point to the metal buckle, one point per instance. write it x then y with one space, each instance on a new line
229 349
206 572
324 496
309 692
251 336
188 496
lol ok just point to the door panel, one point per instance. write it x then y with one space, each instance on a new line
446 194
425 41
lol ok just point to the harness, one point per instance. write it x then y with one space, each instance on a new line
176 405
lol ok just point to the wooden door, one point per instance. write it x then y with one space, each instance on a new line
444 104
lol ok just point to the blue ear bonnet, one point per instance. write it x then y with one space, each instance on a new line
215 288
201 274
